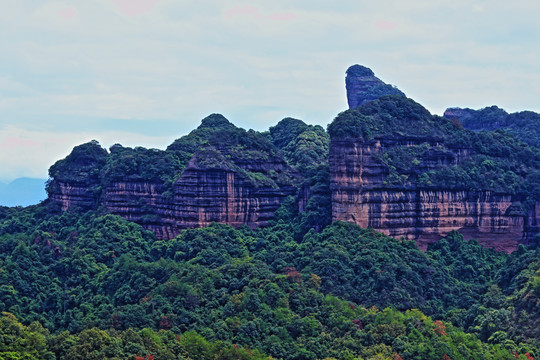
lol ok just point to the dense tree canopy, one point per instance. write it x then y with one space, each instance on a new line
103 287
496 160
524 125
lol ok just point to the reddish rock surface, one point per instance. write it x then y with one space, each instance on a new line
202 194
359 195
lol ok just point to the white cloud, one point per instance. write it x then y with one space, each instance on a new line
95 66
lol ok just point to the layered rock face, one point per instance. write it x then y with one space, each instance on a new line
392 166
359 195
203 196
200 196
75 182
396 168
223 185
363 86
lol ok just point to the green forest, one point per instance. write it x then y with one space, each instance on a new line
496 160
91 286
524 125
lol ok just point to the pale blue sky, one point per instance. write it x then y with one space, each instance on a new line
144 72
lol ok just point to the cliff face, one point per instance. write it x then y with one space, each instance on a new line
391 166
201 196
404 172
236 185
359 195
75 180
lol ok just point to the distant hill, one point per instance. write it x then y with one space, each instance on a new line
524 125
22 192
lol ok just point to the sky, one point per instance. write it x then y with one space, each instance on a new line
145 72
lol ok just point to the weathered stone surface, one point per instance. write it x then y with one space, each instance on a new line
360 196
206 191
363 86
75 181
72 194
245 182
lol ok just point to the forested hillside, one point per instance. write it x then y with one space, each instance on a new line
523 125
88 286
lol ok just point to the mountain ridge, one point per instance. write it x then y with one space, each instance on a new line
391 165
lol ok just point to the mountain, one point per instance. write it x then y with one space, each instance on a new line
216 173
223 245
386 163
524 125
402 171
22 192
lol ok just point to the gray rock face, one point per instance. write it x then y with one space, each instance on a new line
362 86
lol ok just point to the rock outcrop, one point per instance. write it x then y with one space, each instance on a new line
233 184
363 86
392 166
75 180
396 168
200 196
359 195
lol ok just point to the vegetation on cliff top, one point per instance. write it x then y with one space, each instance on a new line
303 146
524 125
306 148
359 70
84 285
493 160
216 144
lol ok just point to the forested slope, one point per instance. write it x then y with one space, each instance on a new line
104 286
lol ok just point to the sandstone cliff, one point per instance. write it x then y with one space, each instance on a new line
388 164
75 181
241 181
360 195
398 169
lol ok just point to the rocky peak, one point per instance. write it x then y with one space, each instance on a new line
359 70
362 86
215 121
